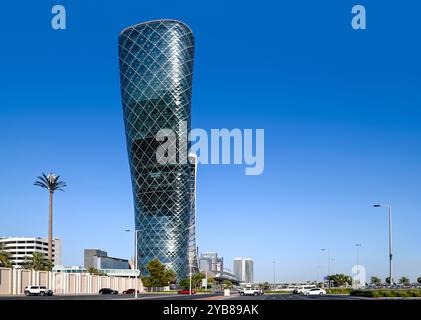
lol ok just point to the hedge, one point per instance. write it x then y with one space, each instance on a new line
386 293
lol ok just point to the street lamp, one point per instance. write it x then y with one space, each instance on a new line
331 265
274 279
390 238
328 263
135 261
190 263
358 245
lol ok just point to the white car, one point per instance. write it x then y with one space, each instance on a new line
302 289
314 292
251 292
38 291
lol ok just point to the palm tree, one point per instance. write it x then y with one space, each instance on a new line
52 183
375 281
4 257
404 281
38 262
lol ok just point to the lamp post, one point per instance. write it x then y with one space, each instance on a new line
358 245
190 263
328 265
390 238
274 278
319 273
135 261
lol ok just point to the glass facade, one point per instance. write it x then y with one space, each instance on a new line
156 68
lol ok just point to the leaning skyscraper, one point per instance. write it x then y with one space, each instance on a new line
156 69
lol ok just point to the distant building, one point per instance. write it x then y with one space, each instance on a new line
238 268
89 257
213 265
248 267
244 269
108 272
22 248
99 259
210 262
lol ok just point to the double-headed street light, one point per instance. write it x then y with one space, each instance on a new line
135 260
328 264
390 239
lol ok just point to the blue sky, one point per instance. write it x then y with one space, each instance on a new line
340 109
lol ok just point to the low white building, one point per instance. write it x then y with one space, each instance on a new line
22 248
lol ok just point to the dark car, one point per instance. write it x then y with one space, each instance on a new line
130 291
107 291
186 291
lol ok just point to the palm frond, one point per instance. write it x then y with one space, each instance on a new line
50 182
40 184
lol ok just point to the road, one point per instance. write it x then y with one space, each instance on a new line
154 296
167 296
297 297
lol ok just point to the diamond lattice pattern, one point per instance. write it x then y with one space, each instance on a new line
156 66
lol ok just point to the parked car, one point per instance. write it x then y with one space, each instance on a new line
38 291
187 291
107 291
314 292
130 291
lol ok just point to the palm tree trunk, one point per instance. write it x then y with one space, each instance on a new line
50 230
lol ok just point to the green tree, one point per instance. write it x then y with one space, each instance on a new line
196 281
340 279
159 275
52 184
387 280
404 281
95 271
375 281
264 285
184 283
38 262
227 283
170 276
4 257
419 280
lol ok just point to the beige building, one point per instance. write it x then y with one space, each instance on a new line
14 281
22 248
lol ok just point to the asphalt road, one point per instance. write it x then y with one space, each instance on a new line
206 296
296 297
163 296
154 296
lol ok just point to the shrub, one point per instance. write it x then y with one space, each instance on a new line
276 291
386 293
339 290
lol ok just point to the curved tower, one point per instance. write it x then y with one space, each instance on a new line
156 68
